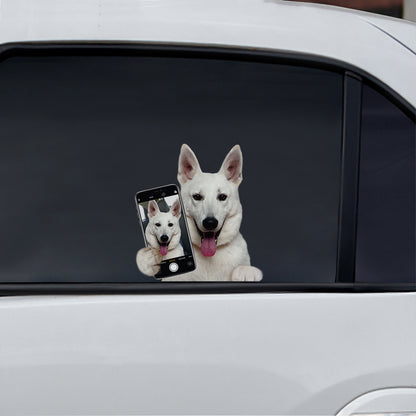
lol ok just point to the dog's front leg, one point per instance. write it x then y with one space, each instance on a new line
246 274
148 261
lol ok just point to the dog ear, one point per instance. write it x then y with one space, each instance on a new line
232 167
188 164
153 209
175 209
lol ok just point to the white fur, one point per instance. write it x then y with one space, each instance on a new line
148 259
231 261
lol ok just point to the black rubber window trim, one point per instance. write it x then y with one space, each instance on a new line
353 77
350 160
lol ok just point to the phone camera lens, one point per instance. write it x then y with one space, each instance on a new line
163 194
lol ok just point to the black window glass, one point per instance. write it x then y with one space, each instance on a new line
386 207
79 136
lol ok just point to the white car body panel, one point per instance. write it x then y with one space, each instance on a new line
287 353
280 353
277 25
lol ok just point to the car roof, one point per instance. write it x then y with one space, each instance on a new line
384 47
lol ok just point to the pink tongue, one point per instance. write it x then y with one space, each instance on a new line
208 246
163 250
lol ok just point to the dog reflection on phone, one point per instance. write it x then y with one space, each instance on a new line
163 235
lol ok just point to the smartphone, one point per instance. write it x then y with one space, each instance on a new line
163 223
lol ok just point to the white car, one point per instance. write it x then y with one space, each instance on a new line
96 98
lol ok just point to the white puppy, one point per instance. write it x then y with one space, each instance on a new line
162 234
214 214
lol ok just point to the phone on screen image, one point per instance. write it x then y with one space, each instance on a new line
163 223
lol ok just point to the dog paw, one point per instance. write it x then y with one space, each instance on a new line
246 274
148 261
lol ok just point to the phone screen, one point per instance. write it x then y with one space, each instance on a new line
164 227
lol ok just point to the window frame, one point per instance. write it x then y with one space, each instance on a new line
350 144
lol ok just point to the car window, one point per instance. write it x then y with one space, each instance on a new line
386 201
80 135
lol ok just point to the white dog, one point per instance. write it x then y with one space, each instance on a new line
214 214
162 234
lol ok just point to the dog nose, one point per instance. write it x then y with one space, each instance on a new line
164 238
210 223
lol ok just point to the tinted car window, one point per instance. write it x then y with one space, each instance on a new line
386 204
79 136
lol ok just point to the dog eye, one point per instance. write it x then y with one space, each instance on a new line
157 224
222 197
170 225
197 197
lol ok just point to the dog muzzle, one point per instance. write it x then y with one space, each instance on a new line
208 241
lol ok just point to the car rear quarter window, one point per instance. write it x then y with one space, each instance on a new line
80 135
386 200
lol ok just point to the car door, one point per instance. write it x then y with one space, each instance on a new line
328 197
